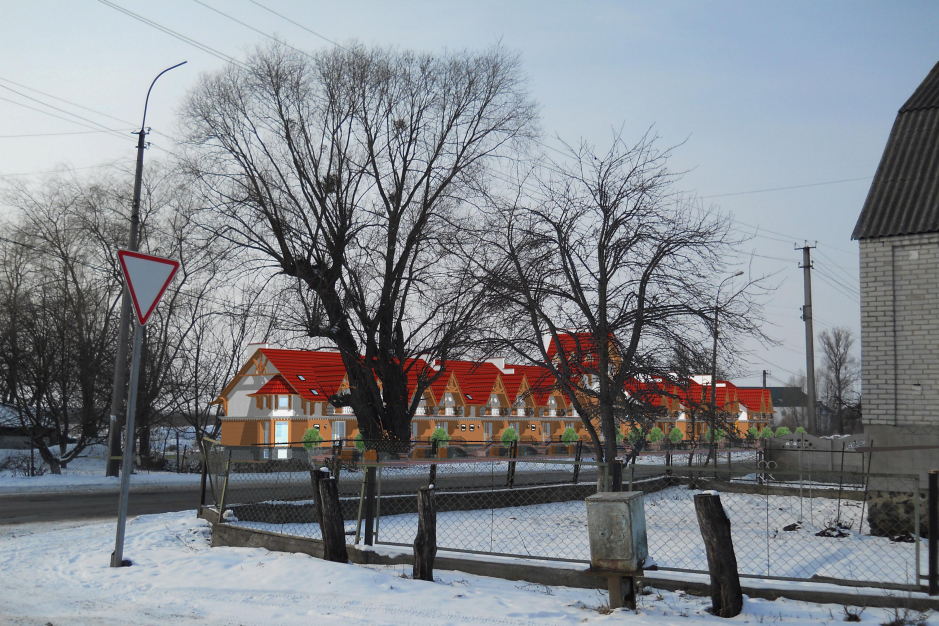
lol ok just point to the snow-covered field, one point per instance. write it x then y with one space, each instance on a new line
762 546
59 574
50 483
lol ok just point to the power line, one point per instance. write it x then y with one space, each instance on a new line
829 182
54 108
111 131
77 132
298 25
71 169
260 32
49 95
172 33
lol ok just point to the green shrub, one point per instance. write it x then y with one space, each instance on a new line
509 436
656 435
634 436
782 430
359 443
312 439
753 433
718 435
675 435
441 437
619 435
569 436
767 433
800 431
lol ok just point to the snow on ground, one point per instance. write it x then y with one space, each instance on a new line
58 573
763 548
51 483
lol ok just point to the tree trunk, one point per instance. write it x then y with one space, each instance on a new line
726 595
425 543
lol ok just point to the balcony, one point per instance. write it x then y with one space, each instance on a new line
424 410
451 411
495 411
341 410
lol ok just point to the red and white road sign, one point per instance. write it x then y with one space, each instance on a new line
147 278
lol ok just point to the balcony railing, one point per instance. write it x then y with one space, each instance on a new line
451 411
497 411
424 410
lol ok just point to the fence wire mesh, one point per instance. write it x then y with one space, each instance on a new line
826 526
530 508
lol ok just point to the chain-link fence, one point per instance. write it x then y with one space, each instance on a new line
792 525
843 527
531 507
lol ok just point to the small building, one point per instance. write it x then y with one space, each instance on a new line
898 234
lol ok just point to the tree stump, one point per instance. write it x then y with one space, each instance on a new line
726 595
425 544
329 515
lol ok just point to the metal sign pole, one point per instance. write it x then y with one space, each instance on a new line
117 558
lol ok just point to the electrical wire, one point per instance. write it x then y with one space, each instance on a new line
71 169
77 132
248 26
298 25
55 108
49 95
110 131
829 182
172 33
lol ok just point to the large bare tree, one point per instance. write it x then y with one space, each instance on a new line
605 260
352 172
840 376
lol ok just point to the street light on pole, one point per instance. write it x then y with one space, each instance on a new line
713 425
117 393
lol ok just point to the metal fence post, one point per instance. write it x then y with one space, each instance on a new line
513 453
433 466
934 532
205 471
221 505
370 477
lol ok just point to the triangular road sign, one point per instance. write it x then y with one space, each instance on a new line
147 279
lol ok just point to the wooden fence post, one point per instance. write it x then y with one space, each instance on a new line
578 449
513 454
221 504
616 468
425 544
726 595
329 513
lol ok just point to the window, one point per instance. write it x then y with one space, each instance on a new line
463 427
533 427
283 402
469 397
281 433
314 392
300 377
266 427
317 427
472 428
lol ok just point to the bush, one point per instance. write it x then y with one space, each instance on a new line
675 435
312 439
753 433
782 430
767 433
800 431
359 443
509 436
656 435
634 436
718 435
569 436
619 435
441 437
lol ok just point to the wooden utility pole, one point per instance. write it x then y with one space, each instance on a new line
809 337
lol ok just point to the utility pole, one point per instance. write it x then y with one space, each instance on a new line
120 366
765 374
809 336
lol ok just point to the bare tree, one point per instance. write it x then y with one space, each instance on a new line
608 264
840 376
353 173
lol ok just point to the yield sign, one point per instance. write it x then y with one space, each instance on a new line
147 279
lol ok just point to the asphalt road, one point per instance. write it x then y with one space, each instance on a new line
52 507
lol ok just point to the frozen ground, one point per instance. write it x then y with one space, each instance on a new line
59 574
71 483
762 546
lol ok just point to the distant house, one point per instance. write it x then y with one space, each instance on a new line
789 404
898 232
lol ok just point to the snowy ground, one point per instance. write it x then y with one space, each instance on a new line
59 574
72 483
763 548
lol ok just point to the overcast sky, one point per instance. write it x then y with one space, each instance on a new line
764 96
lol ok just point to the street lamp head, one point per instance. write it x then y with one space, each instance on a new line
739 273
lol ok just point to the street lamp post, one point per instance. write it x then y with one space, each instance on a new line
117 393
713 425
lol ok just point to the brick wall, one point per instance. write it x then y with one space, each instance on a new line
900 330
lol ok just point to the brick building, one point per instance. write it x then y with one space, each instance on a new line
898 232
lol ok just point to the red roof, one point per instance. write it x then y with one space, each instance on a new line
275 386
755 398
315 374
